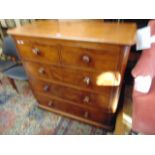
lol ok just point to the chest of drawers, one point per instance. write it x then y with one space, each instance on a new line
76 68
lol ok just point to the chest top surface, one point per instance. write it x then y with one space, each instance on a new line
79 30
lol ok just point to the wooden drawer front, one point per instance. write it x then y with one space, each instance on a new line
39 52
43 71
93 115
86 98
83 98
87 80
106 59
46 87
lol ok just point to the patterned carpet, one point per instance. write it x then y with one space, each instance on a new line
19 114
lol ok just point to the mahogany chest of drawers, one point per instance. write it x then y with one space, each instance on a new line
76 68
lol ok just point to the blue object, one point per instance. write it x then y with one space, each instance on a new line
4 65
12 70
17 73
9 47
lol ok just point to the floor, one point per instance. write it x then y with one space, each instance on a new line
124 120
19 114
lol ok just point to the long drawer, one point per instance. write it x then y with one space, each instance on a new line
81 97
93 81
106 59
93 115
38 51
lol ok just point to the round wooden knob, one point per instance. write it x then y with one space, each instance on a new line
41 70
86 99
46 88
86 59
50 103
86 114
36 51
86 80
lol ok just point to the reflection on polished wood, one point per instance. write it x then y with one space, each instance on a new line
108 79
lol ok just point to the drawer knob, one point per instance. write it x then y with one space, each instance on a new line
86 80
50 103
36 51
86 114
86 59
86 99
46 88
41 70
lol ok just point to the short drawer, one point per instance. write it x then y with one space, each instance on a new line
47 72
106 59
93 115
38 51
80 97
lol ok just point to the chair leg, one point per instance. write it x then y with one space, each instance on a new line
13 84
